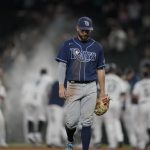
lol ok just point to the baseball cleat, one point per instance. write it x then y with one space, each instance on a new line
69 146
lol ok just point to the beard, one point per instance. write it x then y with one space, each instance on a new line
83 37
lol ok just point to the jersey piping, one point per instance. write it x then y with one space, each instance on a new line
80 62
86 50
61 60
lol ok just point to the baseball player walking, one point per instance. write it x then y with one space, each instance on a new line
3 99
55 118
141 94
115 87
35 97
81 63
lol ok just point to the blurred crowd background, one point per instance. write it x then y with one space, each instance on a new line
121 26
31 32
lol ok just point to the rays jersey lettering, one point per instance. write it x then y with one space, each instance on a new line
82 56
82 59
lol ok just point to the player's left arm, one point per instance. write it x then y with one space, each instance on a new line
101 81
101 70
102 104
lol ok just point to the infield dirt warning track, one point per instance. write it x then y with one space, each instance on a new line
45 148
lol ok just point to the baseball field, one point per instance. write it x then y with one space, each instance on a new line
46 148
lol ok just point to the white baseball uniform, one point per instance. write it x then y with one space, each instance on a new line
129 117
114 88
35 97
142 90
55 114
29 100
29 106
97 130
2 119
55 128
43 88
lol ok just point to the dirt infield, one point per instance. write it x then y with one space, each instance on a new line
45 148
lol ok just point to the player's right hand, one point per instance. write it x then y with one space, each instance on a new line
62 91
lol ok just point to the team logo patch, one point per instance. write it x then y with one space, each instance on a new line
82 56
77 52
86 23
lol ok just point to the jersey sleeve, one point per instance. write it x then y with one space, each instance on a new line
101 59
62 55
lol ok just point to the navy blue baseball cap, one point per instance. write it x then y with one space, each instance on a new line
85 23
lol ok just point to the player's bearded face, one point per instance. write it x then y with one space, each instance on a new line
83 34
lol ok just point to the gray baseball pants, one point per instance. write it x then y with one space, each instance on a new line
80 105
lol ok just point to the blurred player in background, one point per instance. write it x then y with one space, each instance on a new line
29 110
97 131
35 95
130 107
2 119
55 135
44 84
141 94
115 88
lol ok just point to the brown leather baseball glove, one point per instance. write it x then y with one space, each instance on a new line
102 105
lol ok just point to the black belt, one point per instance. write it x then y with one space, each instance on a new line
81 82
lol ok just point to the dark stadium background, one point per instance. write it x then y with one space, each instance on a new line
24 22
